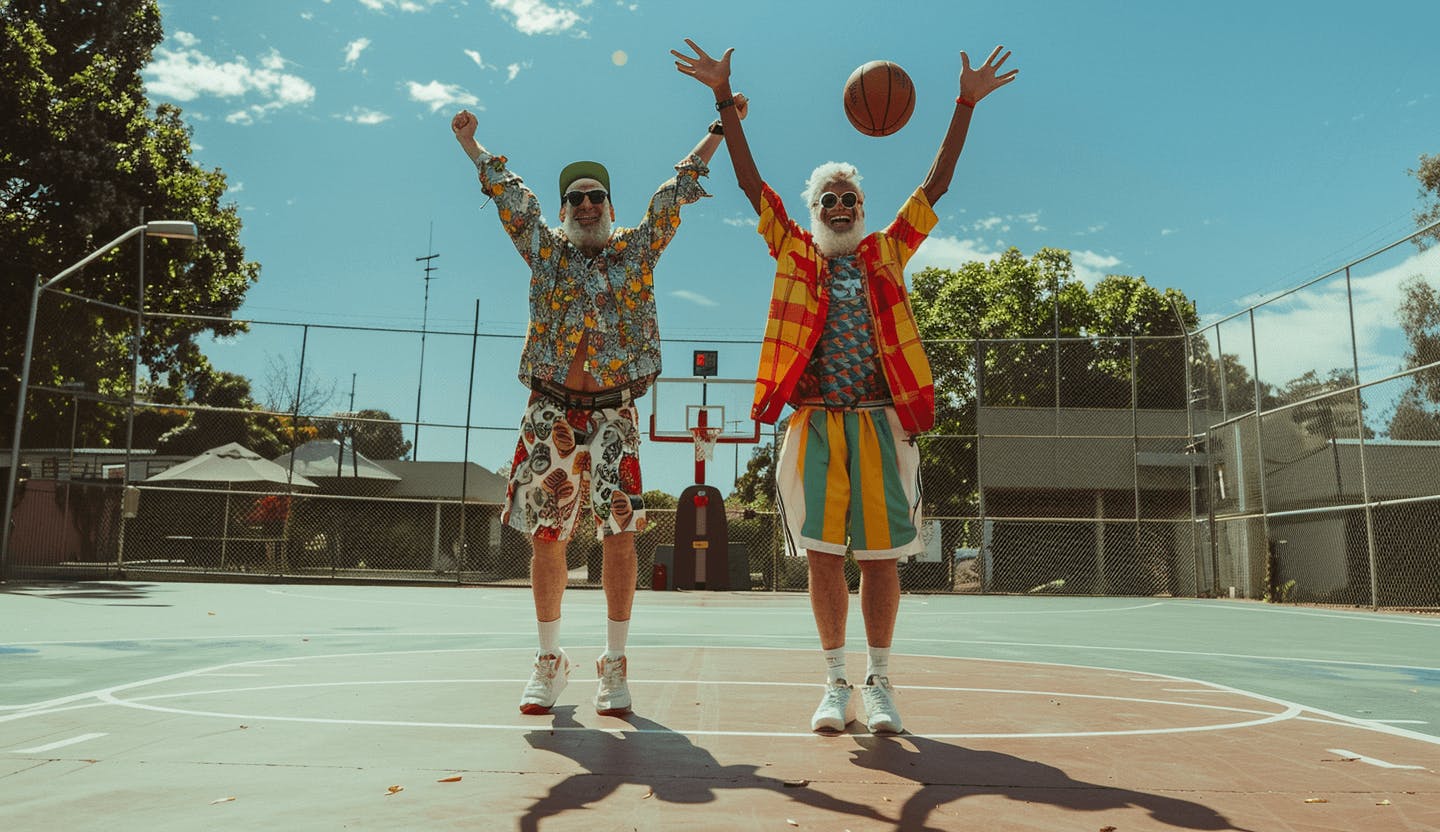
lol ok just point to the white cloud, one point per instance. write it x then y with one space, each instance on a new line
437 95
402 5
185 39
953 252
536 17
1166 232
512 70
479 61
742 222
1091 267
987 224
354 48
187 74
362 115
693 297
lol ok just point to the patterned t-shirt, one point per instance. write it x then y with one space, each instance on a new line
844 370
608 299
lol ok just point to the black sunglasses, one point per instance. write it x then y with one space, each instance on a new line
597 196
848 199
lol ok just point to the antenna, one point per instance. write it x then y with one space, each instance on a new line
430 266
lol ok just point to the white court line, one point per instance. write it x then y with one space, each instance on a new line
54 745
1370 760
142 703
1293 710
1409 619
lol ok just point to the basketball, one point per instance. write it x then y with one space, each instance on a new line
879 98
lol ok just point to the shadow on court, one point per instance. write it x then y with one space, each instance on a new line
668 763
949 773
678 771
113 594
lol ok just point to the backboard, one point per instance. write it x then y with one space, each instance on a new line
678 404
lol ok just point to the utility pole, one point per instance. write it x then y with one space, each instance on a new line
430 266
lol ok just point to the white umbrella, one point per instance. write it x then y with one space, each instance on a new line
325 458
230 463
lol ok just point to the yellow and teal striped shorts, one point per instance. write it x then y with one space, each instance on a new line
849 479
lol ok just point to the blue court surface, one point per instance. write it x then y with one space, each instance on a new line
157 706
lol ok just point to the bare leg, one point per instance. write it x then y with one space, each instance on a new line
829 597
879 599
618 575
548 577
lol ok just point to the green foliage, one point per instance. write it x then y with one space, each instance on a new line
1417 413
1428 175
375 434
82 157
755 487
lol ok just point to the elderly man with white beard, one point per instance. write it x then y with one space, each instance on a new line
842 348
592 348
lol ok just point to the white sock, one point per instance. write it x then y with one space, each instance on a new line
549 636
835 664
879 663
616 632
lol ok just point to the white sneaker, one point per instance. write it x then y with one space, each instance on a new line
612 697
881 715
836 709
551 674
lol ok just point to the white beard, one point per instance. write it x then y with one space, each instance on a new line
835 243
593 236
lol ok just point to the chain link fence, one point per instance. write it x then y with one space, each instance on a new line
1289 452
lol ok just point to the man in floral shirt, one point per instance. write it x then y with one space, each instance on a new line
842 348
592 348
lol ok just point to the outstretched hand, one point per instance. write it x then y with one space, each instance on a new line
702 67
975 84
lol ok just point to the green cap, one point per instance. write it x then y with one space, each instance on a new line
584 170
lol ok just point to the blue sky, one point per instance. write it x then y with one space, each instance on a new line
1228 149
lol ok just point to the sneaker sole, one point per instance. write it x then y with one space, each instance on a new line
614 711
532 709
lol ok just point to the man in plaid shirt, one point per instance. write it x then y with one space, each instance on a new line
842 348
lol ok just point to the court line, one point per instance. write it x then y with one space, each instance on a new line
143 703
1371 760
54 745
103 693
1358 615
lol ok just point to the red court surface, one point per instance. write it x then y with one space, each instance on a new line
167 706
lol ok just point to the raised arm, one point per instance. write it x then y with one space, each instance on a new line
975 84
463 124
716 75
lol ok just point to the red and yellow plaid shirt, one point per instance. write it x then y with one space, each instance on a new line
801 298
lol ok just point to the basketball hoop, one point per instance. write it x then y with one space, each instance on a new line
705 438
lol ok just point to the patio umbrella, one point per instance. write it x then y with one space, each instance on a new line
230 463
325 458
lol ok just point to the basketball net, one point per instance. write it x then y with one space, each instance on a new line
705 438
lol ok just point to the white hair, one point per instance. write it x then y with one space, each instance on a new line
824 175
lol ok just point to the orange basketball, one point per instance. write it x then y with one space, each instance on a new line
879 98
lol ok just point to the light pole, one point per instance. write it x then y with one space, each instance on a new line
174 229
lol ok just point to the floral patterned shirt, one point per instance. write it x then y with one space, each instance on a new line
609 297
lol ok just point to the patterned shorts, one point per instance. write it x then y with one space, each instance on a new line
849 480
566 458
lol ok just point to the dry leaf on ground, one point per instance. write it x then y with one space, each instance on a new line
221 800
454 779
394 790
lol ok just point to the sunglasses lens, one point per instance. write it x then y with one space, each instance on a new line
574 198
848 200
828 201
596 197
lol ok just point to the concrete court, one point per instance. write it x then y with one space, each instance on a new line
127 705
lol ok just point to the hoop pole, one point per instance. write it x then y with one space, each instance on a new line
701 423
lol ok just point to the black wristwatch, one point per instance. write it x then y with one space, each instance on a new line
716 128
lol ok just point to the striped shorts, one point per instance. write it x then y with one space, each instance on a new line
850 479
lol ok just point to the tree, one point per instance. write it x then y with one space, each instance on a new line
1428 175
82 155
374 433
1417 412
989 331
756 487
232 419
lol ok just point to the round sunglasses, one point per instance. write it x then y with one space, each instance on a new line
848 199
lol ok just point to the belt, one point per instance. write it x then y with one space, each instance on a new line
561 394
